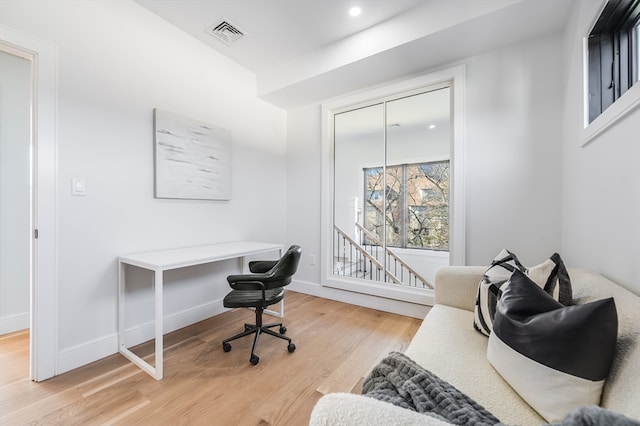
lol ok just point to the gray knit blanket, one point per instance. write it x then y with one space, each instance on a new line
592 415
399 380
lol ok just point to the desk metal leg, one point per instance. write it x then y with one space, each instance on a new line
121 310
279 313
156 372
159 326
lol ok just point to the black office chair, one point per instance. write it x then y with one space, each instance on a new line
262 288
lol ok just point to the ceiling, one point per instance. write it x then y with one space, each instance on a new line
303 51
276 31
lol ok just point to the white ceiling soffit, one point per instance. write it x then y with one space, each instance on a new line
343 68
323 61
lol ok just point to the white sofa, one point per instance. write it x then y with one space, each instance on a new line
448 345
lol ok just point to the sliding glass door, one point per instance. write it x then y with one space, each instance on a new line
391 195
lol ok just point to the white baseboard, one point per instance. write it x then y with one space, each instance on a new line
399 307
16 322
71 358
83 354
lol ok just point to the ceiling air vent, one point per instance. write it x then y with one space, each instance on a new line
226 32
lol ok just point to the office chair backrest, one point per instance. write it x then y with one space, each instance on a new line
282 272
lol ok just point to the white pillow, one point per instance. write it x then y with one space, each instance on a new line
551 275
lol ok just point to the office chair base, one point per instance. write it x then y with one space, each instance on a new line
282 330
259 329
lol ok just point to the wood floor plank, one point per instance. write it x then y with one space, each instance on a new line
14 356
336 345
37 408
358 363
13 341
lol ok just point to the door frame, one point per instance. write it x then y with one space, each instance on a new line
455 78
43 286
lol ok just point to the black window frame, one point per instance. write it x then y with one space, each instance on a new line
613 54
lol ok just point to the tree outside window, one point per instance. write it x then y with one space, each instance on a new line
416 202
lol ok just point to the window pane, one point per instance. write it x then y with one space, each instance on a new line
428 205
612 54
359 139
395 206
416 202
373 204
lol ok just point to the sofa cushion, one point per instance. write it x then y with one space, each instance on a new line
350 409
622 387
448 346
544 349
551 275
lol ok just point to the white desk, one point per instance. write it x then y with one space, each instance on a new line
164 260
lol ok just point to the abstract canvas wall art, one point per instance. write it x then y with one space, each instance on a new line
192 158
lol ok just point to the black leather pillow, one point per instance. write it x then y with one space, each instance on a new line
556 357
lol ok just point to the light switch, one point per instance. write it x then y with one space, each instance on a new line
78 187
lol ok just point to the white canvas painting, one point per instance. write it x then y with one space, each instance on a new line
193 159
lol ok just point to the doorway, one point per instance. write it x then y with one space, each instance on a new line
39 232
15 190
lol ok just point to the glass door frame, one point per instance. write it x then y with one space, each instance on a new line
452 77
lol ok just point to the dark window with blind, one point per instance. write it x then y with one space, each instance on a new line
614 47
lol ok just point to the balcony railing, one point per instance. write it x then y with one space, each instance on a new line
356 259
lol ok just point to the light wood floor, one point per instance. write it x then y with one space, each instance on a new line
337 345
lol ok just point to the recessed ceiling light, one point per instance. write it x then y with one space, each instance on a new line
355 11
432 126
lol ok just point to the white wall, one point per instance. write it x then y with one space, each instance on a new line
15 100
513 158
116 62
601 205
304 186
514 152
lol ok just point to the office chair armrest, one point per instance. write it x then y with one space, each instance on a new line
261 266
244 283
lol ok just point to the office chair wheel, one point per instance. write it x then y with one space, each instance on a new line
226 347
283 329
254 359
291 347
